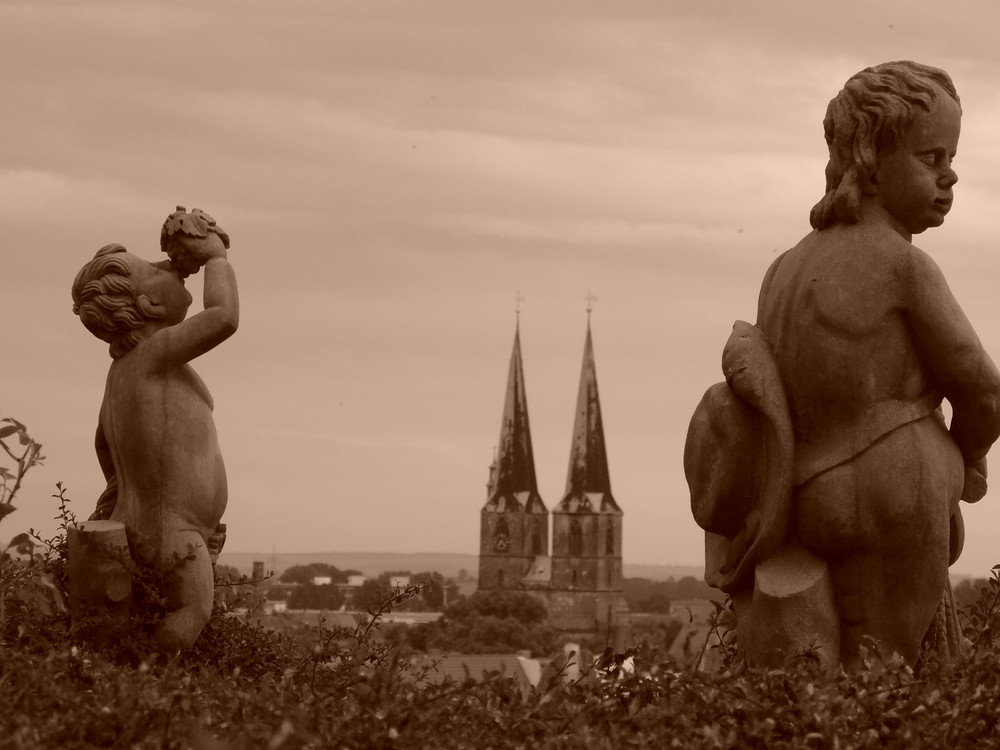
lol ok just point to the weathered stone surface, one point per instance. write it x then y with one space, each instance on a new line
100 584
156 440
866 340
792 611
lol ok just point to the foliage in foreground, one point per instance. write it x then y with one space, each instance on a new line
70 697
243 686
246 687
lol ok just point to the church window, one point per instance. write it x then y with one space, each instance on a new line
575 538
574 579
610 540
500 579
501 537
536 539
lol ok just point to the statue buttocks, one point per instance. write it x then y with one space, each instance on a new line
859 338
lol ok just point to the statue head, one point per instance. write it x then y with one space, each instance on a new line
105 299
117 294
868 117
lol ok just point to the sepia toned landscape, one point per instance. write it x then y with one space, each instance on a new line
439 374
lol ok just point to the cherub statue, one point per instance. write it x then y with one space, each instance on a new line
858 339
156 439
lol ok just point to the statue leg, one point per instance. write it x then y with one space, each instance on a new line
881 522
188 588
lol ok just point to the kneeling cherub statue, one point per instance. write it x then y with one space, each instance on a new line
156 438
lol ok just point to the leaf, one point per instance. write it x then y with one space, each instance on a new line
6 509
21 539
43 594
7 431
23 543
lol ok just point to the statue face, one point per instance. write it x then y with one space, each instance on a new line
915 178
162 283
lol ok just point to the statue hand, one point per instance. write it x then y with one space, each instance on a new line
189 254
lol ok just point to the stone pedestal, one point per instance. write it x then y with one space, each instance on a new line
791 611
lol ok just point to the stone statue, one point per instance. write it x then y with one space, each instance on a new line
823 470
156 439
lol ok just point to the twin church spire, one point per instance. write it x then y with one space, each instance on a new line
512 476
580 579
588 483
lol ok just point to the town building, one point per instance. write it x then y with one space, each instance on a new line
578 575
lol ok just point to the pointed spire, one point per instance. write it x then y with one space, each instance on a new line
588 479
515 461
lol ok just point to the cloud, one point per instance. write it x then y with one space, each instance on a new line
392 173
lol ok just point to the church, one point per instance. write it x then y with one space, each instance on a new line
580 579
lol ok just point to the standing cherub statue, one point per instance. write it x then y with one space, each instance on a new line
858 339
156 439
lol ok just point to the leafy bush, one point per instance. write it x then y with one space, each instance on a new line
32 585
26 454
344 691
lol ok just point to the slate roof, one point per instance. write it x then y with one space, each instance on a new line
588 483
513 486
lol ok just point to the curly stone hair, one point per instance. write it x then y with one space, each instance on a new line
104 298
869 115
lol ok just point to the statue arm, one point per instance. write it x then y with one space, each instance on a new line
765 287
955 358
207 329
104 453
109 498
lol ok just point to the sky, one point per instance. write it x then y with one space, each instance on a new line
393 176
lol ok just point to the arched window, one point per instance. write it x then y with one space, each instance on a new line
575 538
574 579
500 578
501 537
610 540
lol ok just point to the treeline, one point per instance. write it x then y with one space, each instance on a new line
484 623
642 594
512 621
308 595
645 595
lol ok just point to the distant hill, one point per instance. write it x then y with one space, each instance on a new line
446 563
662 572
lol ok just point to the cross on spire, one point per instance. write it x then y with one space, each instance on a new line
518 299
591 299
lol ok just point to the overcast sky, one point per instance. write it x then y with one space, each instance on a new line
391 175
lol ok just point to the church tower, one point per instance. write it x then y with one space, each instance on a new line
514 524
587 523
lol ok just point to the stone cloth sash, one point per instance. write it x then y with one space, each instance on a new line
845 442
